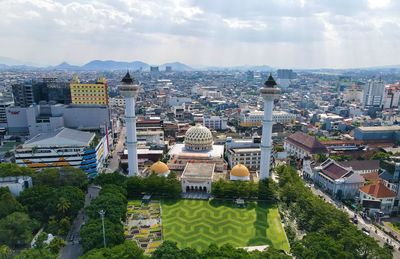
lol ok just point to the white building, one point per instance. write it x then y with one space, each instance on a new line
339 181
62 148
117 101
377 197
197 177
215 122
254 118
391 96
373 93
302 145
16 184
178 100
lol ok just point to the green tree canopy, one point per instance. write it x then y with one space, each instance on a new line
16 229
126 250
36 254
92 234
8 204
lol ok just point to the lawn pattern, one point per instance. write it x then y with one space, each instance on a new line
195 223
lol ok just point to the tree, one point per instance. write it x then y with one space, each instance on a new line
64 226
11 169
40 201
5 252
8 204
126 250
66 176
35 254
113 204
63 205
16 229
56 244
114 178
92 234
317 245
72 196
380 156
267 190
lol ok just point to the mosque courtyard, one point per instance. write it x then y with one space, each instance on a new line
198 223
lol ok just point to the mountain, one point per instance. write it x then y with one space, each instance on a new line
64 66
14 62
115 65
176 66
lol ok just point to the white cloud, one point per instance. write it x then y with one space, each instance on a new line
278 32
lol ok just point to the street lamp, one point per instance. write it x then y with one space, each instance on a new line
102 213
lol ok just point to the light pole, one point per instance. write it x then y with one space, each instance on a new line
102 213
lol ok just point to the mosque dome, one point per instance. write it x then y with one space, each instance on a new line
159 168
240 170
198 138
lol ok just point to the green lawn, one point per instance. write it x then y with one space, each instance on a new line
195 223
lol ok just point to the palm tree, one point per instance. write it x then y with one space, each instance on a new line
63 205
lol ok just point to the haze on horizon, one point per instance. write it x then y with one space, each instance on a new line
280 33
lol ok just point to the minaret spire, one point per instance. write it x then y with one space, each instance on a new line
269 93
129 89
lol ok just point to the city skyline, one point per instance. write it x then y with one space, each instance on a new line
298 34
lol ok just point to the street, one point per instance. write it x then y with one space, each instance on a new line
113 164
374 232
73 248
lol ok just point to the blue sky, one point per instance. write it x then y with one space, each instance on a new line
280 33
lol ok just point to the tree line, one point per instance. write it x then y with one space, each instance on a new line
53 202
329 232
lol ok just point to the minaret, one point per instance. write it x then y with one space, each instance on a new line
269 93
129 89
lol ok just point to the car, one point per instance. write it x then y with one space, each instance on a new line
355 220
366 231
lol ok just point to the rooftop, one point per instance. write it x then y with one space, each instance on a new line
61 137
201 171
378 190
361 164
335 171
310 143
380 128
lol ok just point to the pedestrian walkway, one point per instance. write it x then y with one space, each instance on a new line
73 248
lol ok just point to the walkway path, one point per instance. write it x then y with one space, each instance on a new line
73 248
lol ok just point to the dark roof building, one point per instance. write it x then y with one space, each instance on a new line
362 166
300 145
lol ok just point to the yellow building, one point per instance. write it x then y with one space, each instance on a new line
89 93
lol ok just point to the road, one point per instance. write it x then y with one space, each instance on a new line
374 232
113 164
73 249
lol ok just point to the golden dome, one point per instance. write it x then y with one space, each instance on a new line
240 170
159 168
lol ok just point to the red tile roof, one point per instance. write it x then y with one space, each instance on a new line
307 142
335 171
372 177
378 190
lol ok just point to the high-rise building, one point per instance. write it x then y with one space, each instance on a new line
89 93
269 93
285 76
27 93
154 69
373 93
168 69
129 89
391 96
49 90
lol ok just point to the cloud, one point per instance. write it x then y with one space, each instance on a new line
287 33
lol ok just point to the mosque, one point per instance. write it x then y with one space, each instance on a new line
198 162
